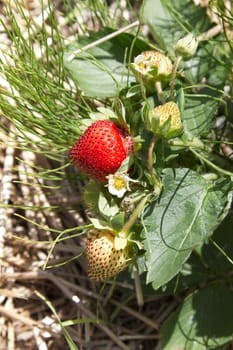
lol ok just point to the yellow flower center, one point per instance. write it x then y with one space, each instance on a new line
119 183
142 65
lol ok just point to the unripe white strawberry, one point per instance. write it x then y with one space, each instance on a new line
104 258
165 120
150 67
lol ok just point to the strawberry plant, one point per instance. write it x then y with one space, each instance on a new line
146 127
168 99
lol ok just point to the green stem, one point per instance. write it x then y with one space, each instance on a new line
195 143
150 156
138 286
127 226
173 78
212 165
155 179
159 90
221 250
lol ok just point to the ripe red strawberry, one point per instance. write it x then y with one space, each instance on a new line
101 149
104 260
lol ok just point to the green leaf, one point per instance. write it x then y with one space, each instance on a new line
101 71
103 113
199 113
203 321
159 22
107 206
168 20
117 221
209 64
91 194
214 260
100 224
214 257
188 212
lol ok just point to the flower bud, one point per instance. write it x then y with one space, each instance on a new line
165 120
186 47
150 67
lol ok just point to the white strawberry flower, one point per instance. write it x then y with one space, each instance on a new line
142 64
118 184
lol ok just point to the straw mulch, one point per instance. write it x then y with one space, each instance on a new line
29 294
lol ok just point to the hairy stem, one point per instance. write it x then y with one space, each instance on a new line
155 179
138 286
159 90
210 164
127 226
173 78
195 143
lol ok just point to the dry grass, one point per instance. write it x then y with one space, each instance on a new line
26 321
33 212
